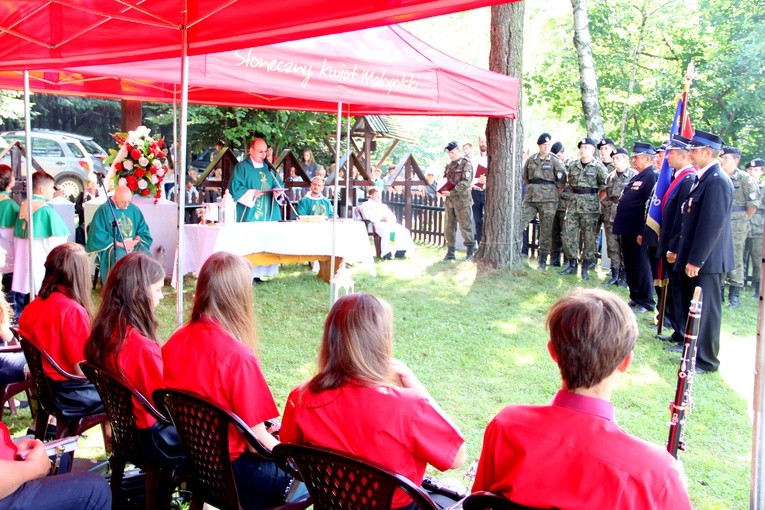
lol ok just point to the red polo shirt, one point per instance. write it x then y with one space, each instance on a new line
204 359
140 362
8 449
60 326
573 455
393 427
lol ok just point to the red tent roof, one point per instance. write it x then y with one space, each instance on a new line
35 34
372 71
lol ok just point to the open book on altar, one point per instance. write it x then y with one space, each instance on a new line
249 198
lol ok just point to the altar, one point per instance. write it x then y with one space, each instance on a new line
271 242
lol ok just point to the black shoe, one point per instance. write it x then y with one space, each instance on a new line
639 309
400 254
470 253
449 254
631 303
614 277
674 348
571 269
257 281
665 338
733 295
699 370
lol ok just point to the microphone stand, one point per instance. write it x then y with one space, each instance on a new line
115 230
276 177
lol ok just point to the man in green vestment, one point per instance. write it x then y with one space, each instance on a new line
9 213
49 232
314 203
251 186
131 223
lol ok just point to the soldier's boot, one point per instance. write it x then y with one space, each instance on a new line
722 293
756 285
622 278
449 254
733 294
614 277
571 269
555 259
542 261
470 253
585 270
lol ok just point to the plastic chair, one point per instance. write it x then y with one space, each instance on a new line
203 428
117 395
64 426
10 390
336 480
489 501
358 215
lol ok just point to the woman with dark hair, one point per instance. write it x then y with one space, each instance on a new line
309 163
366 403
58 322
124 342
213 356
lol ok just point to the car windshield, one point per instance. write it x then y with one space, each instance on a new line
92 147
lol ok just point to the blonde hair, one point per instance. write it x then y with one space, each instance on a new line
357 344
6 312
224 294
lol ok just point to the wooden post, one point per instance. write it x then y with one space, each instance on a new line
130 115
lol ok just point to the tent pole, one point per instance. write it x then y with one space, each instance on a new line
513 227
28 166
756 495
334 205
181 161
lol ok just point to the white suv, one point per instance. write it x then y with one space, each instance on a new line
63 157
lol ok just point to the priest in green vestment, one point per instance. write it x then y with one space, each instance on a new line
9 213
49 232
130 222
251 187
314 203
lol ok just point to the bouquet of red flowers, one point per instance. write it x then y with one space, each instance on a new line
140 164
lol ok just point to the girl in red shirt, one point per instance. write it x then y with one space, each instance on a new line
124 342
213 356
366 403
58 322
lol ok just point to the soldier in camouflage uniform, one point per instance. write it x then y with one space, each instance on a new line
543 175
615 183
586 180
605 148
745 201
560 214
459 202
754 240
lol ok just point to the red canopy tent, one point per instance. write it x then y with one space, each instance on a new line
381 70
37 34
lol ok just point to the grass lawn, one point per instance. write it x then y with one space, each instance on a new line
478 343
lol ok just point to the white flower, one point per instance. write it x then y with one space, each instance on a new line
142 184
134 137
154 179
122 182
157 163
161 171
143 161
127 164
121 154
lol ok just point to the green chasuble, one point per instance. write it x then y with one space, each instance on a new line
247 177
130 222
47 221
9 210
314 206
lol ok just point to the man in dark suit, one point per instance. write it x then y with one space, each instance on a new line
683 177
705 251
628 225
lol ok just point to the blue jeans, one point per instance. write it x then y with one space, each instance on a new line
81 491
260 483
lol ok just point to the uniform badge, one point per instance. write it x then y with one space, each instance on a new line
752 195
560 175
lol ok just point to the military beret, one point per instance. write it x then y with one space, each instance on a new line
544 138
678 142
730 150
604 142
704 139
451 146
619 150
643 148
556 148
757 162
586 141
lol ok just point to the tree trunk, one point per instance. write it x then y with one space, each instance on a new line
131 116
633 75
588 77
501 242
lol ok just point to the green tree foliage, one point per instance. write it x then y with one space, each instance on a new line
660 38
